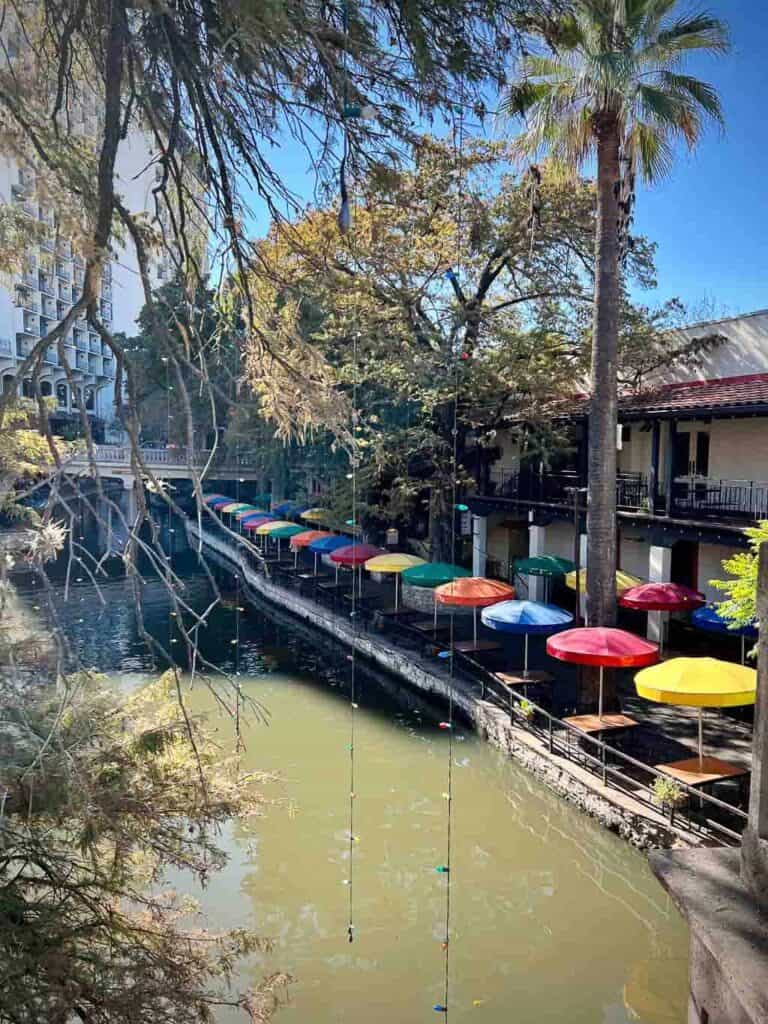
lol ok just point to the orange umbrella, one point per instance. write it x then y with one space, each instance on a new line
473 592
301 540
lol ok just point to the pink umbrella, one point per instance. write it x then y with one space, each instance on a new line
662 597
602 646
355 555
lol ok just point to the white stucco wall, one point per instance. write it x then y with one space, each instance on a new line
744 352
634 552
710 567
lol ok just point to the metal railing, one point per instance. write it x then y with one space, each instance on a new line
173 456
705 498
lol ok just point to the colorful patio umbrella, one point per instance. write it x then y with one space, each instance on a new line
698 683
287 532
709 619
307 537
256 522
250 510
526 617
316 515
218 503
544 565
395 562
328 544
623 581
234 506
355 554
661 597
284 508
433 574
251 517
473 592
602 646
275 524
208 498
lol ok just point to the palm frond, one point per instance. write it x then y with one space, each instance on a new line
700 92
649 150
695 32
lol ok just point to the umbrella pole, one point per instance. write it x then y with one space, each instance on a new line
701 738
315 571
474 622
396 590
525 655
743 649
295 558
600 698
434 603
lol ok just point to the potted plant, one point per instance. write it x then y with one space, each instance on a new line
666 793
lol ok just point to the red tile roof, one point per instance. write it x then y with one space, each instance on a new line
700 395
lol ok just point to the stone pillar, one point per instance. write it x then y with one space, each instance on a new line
659 570
479 545
537 536
754 849
582 570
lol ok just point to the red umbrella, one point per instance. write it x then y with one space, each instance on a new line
253 524
602 646
662 597
473 592
355 554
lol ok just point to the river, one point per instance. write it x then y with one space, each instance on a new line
553 919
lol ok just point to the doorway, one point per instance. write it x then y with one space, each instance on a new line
685 563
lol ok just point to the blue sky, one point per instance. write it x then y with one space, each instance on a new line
710 217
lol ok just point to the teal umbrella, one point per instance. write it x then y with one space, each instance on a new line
284 532
544 565
433 574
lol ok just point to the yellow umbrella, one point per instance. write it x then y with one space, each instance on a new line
623 581
277 524
698 683
396 562
233 506
317 515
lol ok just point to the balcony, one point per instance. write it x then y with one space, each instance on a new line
94 344
62 271
31 325
94 364
109 367
45 283
81 361
106 310
106 291
51 356
23 346
49 307
80 340
694 498
6 348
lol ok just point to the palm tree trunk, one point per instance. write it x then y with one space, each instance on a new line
601 508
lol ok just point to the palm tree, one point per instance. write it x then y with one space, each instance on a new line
608 85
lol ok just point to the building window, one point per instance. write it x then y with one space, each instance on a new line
62 396
9 384
90 399
46 388
626 433
26 388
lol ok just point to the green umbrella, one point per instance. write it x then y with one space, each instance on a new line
544 565
284 532
433 574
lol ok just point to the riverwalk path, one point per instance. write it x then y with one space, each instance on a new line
612 782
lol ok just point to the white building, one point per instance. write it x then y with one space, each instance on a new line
692 472
37 299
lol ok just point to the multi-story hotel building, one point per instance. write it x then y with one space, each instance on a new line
693 472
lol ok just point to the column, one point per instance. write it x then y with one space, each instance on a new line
582 571
754 844
479 545
653 474
669 466
537 536
659 571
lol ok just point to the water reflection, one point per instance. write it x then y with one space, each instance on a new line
553 918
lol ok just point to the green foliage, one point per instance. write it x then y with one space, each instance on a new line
666 793
104 794
612 60
740 607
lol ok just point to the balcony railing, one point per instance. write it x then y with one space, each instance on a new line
691 498
81 361
5 346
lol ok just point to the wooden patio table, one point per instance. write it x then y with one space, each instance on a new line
476 647
593 725
702 773
518 677
427 626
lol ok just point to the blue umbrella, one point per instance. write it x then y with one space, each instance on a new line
326 545
526 617
285 508
709 619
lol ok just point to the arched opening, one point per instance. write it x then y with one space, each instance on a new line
9 383
62 396
26 388
46 388
90 399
